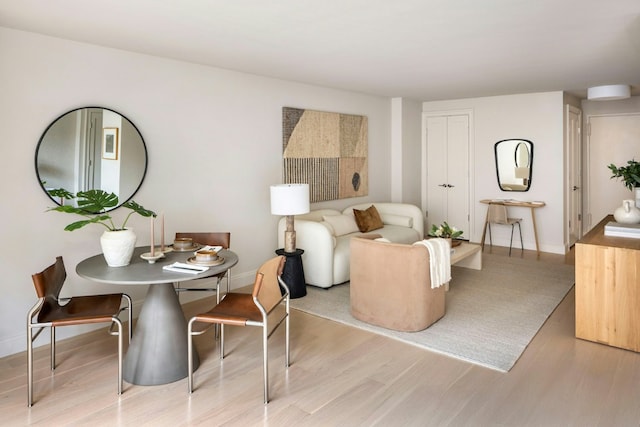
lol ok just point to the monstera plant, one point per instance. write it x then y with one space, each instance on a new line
93 205
118 241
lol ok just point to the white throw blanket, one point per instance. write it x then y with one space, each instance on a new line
439 260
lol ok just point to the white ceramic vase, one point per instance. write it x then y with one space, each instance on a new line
638 197
627 213
117 247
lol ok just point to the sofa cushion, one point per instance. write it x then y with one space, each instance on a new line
370 236
399 234
368 219
341 224
405 221
317 214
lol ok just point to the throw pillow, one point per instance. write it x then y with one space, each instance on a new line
404 221
368 219
342 224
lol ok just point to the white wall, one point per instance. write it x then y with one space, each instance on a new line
222 128
621 144
537 117
411 149
405 150
396 149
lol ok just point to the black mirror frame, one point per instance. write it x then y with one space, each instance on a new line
144 145
530 165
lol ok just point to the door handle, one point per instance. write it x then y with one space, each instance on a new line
442 185
575 188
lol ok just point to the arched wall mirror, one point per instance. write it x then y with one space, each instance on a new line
92 148
514 163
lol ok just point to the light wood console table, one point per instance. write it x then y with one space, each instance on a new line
608 289
515 203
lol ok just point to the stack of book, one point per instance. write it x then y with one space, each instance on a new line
616 229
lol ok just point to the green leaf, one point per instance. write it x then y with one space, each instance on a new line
96 201
80 224
67 209
61 192
139 209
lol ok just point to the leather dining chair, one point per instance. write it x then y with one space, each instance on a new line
266 307
211 239
52 311
498 214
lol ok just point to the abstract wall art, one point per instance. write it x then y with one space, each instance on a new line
326 150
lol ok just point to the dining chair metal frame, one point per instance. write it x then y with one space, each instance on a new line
51 311
498 214
240 310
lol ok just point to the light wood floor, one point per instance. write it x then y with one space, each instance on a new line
339 376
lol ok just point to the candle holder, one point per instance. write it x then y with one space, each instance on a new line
152 258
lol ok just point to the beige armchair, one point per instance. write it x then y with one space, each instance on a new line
391 286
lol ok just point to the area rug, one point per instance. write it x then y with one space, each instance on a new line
491 314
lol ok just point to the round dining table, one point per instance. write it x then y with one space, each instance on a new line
157 353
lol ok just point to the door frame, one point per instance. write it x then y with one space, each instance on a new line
471 166
570 152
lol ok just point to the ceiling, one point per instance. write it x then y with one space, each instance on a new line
418 49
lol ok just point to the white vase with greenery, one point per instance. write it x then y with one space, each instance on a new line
117 243
117 246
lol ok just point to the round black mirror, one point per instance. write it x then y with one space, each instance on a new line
91 148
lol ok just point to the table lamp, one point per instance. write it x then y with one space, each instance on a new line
289 200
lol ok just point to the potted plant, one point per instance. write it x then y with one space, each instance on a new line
117 242
630 175
445 231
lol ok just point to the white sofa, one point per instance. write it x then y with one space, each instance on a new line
326 255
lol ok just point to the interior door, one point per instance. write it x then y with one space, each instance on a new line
574 174
436 134
612 139
458 173
447 141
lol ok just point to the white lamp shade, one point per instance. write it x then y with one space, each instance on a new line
289 199
609 92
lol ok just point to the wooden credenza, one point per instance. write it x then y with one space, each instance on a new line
608 289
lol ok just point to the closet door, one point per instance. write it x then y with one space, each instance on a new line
448 171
